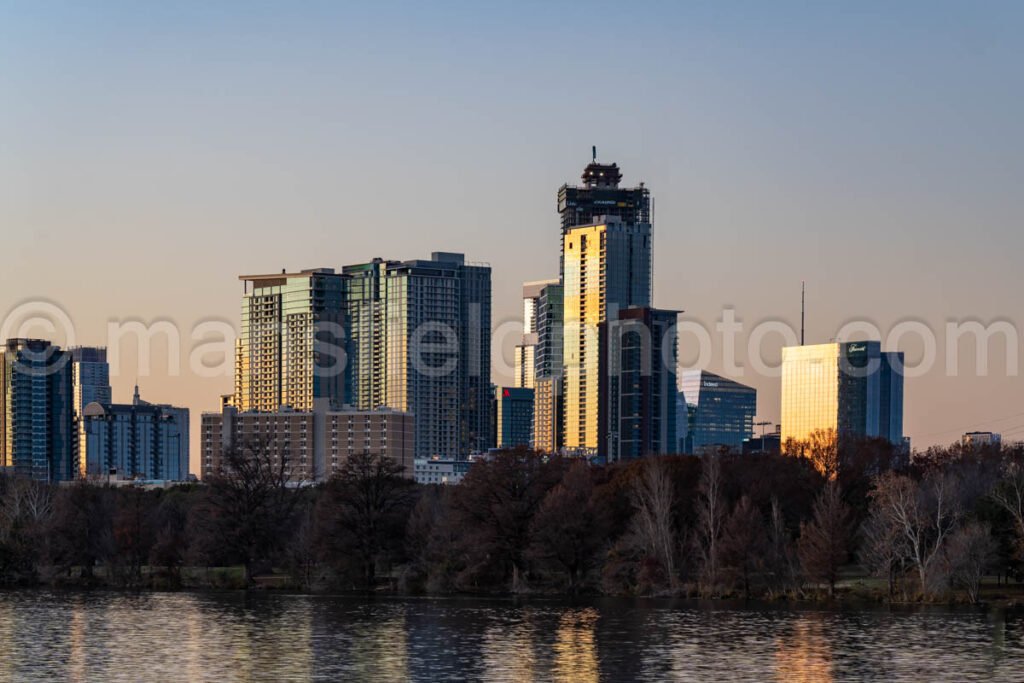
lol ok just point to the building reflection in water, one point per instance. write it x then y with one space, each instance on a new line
77 631
507 650
804 654
575 647
380 649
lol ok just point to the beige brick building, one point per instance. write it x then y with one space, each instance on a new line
316 443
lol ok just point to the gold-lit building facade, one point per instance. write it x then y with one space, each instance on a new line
607 267
851 389
291 347
547 414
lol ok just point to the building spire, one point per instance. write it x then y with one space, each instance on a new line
803 309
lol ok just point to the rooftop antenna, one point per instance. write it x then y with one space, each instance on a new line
593 153
803 308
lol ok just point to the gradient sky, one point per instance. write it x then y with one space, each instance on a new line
151 152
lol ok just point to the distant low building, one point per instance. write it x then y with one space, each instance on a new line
315 444
431 471
766 444
982 439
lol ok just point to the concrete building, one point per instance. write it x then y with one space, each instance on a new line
720 411
514 416
547 414
535 311
38 438
419 342
438 471
291 347
137 440
850 389
313 444
638 389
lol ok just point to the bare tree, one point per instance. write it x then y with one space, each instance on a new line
653 498
25 509
882 548
363 512
821 448
780 556
744 543
968 554
710 515
493 509
925 514
824 544
1009 495
249 503
567 530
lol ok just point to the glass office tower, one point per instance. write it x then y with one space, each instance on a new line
607 269
291 347
851 389
419 336
90 375
638 388
514 419
37 430
720 411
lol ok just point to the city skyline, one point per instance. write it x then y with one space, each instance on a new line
890 213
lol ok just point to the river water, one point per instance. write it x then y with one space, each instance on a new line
234 637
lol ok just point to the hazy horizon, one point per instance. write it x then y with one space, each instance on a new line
151 154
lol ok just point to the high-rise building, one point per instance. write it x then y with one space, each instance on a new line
720 411
638 388
291 347
315 444
514 416
607 269
37 427
139 439
550 326
850 389
600 195
534 301
90 376
547 414
419 342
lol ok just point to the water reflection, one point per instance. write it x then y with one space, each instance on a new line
507 649
802 654
575 646
232 637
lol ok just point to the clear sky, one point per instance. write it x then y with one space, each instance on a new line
151 152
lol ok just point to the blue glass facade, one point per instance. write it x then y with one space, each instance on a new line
37 429
720 411
514 416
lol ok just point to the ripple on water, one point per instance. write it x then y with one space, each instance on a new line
234 637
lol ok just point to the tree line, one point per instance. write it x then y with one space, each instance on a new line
800 524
